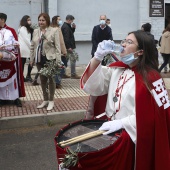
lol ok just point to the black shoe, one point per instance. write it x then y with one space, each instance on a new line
65 76
25 80
1 103
75 76
28 78
34 83
58 86
18 103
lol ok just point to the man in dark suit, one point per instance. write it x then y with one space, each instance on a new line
68 29
100 32
147 28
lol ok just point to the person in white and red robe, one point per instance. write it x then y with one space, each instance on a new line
11 76
133 97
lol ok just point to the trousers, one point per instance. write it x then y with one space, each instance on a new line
48 85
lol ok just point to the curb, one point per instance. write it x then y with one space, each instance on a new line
41 119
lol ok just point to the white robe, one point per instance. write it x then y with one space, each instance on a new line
9 89
104 80
7 38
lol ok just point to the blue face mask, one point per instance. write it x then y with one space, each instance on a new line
129 58
60 23
102 22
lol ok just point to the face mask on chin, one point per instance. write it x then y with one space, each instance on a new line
129 58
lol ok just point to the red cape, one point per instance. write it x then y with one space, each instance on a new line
13 32
153 125
20 77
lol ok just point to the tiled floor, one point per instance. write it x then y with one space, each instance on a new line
69 97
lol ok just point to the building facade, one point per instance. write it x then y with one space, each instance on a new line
125 16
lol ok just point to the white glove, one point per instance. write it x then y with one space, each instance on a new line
105 47
111 126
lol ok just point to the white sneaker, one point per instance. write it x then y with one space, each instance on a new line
44 103
50 105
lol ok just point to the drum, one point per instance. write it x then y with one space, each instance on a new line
6 55
103 152
11 76
7 66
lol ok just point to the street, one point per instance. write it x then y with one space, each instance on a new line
28 148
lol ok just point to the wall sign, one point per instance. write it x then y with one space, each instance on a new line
156 8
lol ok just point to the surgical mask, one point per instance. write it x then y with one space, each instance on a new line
109 25
129 58
102 22
60 23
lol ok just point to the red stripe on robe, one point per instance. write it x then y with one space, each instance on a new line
20 77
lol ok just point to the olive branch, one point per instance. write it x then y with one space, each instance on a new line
51 68
73 56
71 158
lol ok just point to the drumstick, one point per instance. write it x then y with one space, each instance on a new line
7 45
3 46
81 138
77 137
85 137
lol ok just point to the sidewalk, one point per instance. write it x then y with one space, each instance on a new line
70 104
69 99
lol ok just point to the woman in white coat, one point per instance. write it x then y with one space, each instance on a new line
24 37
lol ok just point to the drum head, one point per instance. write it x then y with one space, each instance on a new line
6 55
83 127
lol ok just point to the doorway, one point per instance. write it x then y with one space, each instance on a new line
167 14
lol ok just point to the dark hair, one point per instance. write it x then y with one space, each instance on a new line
167 28
46 17
148 61
70 17
54 21
3 16
24 23
147 27
107 19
